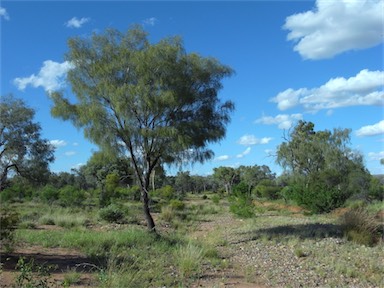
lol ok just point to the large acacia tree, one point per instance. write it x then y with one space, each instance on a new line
154 101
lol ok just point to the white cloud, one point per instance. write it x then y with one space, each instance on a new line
3 13
50 77
371 130
58 143
222 158
283 121
69 153
75 144
77 166
248 140
245 152
334 27
150 21
76 23
366 88
376 156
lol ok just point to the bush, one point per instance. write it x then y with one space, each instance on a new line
360 227
112 214
240 189
71 196
242 207
131 193
166 193
8 224
177 204
316 198
267 189
216 199
49 194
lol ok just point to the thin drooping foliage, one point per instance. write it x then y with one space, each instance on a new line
154 102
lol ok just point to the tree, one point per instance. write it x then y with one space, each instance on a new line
228 176
102 165
325 171
252 175
154 101
22 150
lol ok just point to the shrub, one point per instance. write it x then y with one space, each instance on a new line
49 194
112 214
71 196
240 189
216 199
177 204
242 207
167 192
8 223
131 193
267 192
316 198
360 227
32 274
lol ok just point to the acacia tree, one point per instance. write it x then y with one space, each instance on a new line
22 150
154 101
325 170
228 176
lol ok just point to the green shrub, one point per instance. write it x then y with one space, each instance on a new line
8 224
316 198
131 193
240 189
177 204
32 274
166 193
112 214
216 199
359 226
242 207
7 195
267 192
71 196
49 194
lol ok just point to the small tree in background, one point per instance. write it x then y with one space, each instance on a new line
22 150
154 101
324 171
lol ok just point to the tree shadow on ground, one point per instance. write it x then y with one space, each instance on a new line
301 231
59 263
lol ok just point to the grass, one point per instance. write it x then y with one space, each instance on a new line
189 260
128 256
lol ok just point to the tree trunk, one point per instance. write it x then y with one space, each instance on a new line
147 213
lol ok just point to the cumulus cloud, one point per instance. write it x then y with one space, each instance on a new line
366 88
58 143
4 14
245 152
334 27
150 21
51 76
222 158
249 140
76 23
283 121
371 130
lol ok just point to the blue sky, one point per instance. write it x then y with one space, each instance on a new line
319 61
